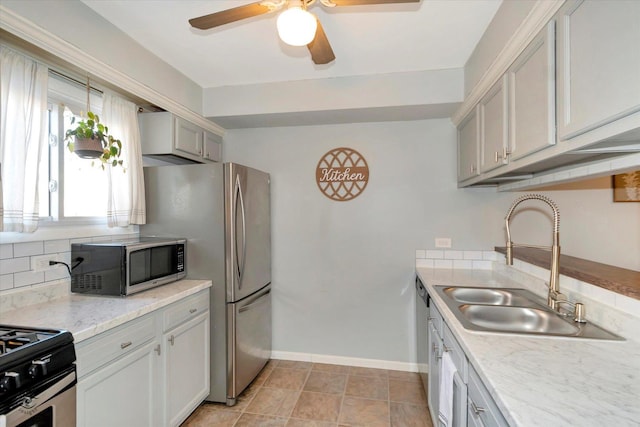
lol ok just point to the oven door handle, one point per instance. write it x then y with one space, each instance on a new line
34 402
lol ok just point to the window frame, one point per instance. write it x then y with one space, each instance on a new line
64 92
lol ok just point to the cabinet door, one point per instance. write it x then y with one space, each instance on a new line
187 368
121 394
494 127
598 64
212 147
434 372
473 415
188 137
468 139
459 401
481 407
532 96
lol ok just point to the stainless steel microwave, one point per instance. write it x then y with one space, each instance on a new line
127 267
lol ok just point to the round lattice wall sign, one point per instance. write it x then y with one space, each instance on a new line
342 174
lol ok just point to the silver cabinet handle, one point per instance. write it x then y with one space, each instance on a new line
446 349
125 344
476 409
193 310
172 339
157 349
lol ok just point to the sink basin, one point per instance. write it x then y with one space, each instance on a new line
513 310
517 319
486 296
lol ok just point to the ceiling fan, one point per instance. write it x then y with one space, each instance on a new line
296 26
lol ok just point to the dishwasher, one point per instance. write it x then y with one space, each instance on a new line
422 332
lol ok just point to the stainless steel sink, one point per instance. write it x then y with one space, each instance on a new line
513 310
490 296
517 319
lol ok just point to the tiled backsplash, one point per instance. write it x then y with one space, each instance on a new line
16 260
447 258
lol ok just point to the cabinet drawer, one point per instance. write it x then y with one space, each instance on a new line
481 406
108 346
456 353
186 309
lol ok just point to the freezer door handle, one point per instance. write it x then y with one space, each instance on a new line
240 262
255 301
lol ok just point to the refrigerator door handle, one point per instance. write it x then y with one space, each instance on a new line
240 262
255 301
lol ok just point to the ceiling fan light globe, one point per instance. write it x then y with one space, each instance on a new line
296 27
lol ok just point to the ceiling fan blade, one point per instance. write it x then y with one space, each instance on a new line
321 52
230 15
369 2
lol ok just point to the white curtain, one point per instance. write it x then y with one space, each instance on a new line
126 203
23 128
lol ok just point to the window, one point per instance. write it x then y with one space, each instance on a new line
70 187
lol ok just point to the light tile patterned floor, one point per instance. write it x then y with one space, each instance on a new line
303 394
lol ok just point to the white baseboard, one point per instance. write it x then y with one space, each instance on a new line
346 361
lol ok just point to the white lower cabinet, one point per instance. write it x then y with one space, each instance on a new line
152 371
186 368
481 409
442 341
122 393
472 404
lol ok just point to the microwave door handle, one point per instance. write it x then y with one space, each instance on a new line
240 262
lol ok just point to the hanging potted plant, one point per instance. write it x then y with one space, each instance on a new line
90 139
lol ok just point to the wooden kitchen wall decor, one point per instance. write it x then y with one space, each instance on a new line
342 174
626 187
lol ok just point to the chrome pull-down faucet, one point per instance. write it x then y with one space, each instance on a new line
554 281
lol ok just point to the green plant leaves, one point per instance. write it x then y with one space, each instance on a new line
91 128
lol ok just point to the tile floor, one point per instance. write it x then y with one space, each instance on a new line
303 394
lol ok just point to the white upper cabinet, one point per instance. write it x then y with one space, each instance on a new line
212 147
188 137
572 96
598 64
163 133
468 142
532 97
494 127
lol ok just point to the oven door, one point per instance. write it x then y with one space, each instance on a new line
50 404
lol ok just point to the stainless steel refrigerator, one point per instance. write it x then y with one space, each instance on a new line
224 212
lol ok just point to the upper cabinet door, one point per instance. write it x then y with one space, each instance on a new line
468 142
188 137
532 91
598 64
494 127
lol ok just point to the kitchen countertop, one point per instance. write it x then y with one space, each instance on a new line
546 381
88 315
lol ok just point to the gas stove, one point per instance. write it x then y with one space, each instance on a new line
32 360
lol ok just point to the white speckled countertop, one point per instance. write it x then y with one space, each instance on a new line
86 315
546 381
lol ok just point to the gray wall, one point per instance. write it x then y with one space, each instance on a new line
343 271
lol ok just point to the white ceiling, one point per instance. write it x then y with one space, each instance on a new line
367 40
